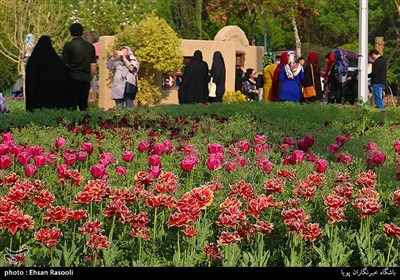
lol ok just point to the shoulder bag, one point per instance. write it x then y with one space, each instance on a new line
212 88
310 91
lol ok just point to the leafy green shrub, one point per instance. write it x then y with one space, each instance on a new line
157 47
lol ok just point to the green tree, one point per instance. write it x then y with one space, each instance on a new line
186 17
157 47
19 18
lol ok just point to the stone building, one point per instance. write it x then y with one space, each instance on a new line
231 41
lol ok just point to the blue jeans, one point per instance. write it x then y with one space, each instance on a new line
378 95
127 102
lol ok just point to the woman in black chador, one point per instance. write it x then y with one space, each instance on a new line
46 78
218 74
194 87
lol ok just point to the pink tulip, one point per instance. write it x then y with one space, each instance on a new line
15 150
60 141
310 140
302 145
143 146
376 158
168 147
7 137
371 146
311 157
35 150
158 149
154 159
187 164
213 161
4 149
215 148
82 156
87 147
287 160
23 158
97 171
241 161
259 139
154 171
121 171
5 161
51 159
340 140
39 160
244 146
297 156
230 166
61 170
321 165
128 156
30 170
69 158
396 146
289 140
334 148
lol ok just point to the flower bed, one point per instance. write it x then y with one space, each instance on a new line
132 189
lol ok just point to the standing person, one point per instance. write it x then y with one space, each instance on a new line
378 77
290 76
276 83
268 75
46 78
337 78
312 70
218 73
80 57
194 86
330 60
126 68
302 61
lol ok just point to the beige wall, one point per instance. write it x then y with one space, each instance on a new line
229 40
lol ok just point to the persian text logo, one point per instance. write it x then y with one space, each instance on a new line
14 257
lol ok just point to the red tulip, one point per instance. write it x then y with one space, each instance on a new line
230 167
16 149
396 146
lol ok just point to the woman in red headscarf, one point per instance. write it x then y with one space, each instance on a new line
312 70
330 60
275 81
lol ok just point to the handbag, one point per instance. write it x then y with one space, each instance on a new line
310 91
212 88
130 90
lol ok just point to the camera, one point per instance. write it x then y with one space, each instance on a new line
120 53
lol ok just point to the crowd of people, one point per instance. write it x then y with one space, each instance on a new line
57 82
286 80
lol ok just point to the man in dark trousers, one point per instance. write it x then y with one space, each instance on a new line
378 77
80 57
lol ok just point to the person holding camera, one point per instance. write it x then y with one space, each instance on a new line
124 86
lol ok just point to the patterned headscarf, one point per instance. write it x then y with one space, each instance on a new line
292 68
341 65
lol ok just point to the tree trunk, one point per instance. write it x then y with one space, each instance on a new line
296 35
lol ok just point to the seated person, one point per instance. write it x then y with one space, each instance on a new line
250 85
3 107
